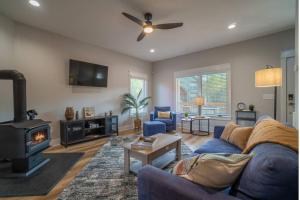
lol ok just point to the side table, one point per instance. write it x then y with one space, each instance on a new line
190 120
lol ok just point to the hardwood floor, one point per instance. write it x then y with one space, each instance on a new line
90 149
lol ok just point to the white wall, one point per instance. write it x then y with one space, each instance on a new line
245 58
6 61
43 58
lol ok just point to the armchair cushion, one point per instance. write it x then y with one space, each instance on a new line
164 115
166 121
161 109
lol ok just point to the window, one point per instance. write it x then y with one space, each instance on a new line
136 84
213 85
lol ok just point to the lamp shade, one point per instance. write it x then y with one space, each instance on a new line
269 77
199 101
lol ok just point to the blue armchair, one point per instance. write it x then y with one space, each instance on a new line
170 123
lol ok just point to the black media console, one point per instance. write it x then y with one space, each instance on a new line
75 131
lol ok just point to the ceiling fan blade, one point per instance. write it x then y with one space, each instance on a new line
167 26
141 36
132 18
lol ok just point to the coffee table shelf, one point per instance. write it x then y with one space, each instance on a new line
160 156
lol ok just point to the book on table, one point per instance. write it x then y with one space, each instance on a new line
143 143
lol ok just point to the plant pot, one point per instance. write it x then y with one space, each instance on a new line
69 113
251 107
137 124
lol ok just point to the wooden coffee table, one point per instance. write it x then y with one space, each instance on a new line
164 144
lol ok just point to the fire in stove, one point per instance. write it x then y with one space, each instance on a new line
39 137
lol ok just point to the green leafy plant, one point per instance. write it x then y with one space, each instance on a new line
130 102
251 107
186 114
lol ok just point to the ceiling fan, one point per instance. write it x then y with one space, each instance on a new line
147 25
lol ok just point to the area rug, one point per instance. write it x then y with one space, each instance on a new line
42 181
103 178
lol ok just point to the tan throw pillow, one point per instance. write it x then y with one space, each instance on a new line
212 170
164 115
239 136
228 130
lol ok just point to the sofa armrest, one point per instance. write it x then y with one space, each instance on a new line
218 131
151 116
156 184
173 115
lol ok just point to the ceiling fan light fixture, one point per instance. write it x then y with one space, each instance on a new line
34 3
147 25
148 29
231 26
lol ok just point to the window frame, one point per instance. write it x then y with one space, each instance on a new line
143 77
225 68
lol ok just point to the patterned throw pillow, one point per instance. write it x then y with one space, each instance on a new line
216 170
164 115
228 130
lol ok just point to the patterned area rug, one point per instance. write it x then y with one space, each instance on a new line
103 178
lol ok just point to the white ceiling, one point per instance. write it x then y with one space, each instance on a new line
100 22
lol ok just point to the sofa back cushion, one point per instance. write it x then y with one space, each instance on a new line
239 136
228 130
160 109
272 173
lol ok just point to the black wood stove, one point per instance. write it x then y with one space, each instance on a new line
22 140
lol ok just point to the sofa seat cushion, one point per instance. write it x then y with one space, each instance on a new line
166 121
272 173
217 146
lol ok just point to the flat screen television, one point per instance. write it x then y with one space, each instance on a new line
87 74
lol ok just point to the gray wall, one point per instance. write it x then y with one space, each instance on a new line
6 61
43 58
245 58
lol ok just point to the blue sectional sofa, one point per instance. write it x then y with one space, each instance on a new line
272 174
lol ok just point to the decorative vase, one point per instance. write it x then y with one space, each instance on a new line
137 124
69 114
77 115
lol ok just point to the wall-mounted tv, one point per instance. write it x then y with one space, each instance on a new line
87 74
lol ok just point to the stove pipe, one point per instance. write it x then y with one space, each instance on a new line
19 92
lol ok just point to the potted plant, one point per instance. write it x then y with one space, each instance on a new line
130 102
251 107
186 114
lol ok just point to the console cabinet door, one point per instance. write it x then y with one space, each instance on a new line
111 125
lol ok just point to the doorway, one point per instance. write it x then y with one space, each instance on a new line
287 105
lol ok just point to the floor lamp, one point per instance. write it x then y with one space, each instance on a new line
199 102
269 77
